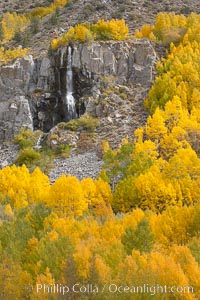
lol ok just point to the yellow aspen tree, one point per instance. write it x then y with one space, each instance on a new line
147 147
66 196
190 267
133 218
125 195
153 191
155 128
13 280
171 227
12 23
102 199
82 33
45 279
39 187
60 3
14 183
174 112
184 168
169 145
82 257
103 271
89 190
162 22
8 211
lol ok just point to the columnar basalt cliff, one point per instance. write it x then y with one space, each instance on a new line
33 93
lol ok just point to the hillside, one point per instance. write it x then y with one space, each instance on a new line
100 150
20 6
78 11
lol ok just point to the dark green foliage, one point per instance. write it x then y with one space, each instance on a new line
63 150
18 37
194 229
51 254
55 17
26 38
37 216
140 239
35 25
194 247
125 163
14 237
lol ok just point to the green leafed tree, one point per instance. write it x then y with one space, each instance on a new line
140 239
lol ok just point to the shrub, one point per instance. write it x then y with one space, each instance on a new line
84 123
113 29
45 162
27 156
63 150
173 35
35 25
26 138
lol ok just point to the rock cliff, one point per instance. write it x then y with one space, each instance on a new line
128 62
33 92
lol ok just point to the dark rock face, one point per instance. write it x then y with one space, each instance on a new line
33 92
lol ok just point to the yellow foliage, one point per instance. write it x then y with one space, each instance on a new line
102 30
105 146
39 187
82 257
67 197
89 190
184 168
41 12
133 218
8 211
158 270
45 279
21 187
98 195
102 269
184 258
13 279
9 55
156 128
172 225
54 44
82 34
179 72
146 32
60 3
148 147
113 29
153 191
12 23
53 235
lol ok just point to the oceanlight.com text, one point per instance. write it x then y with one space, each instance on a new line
112 288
